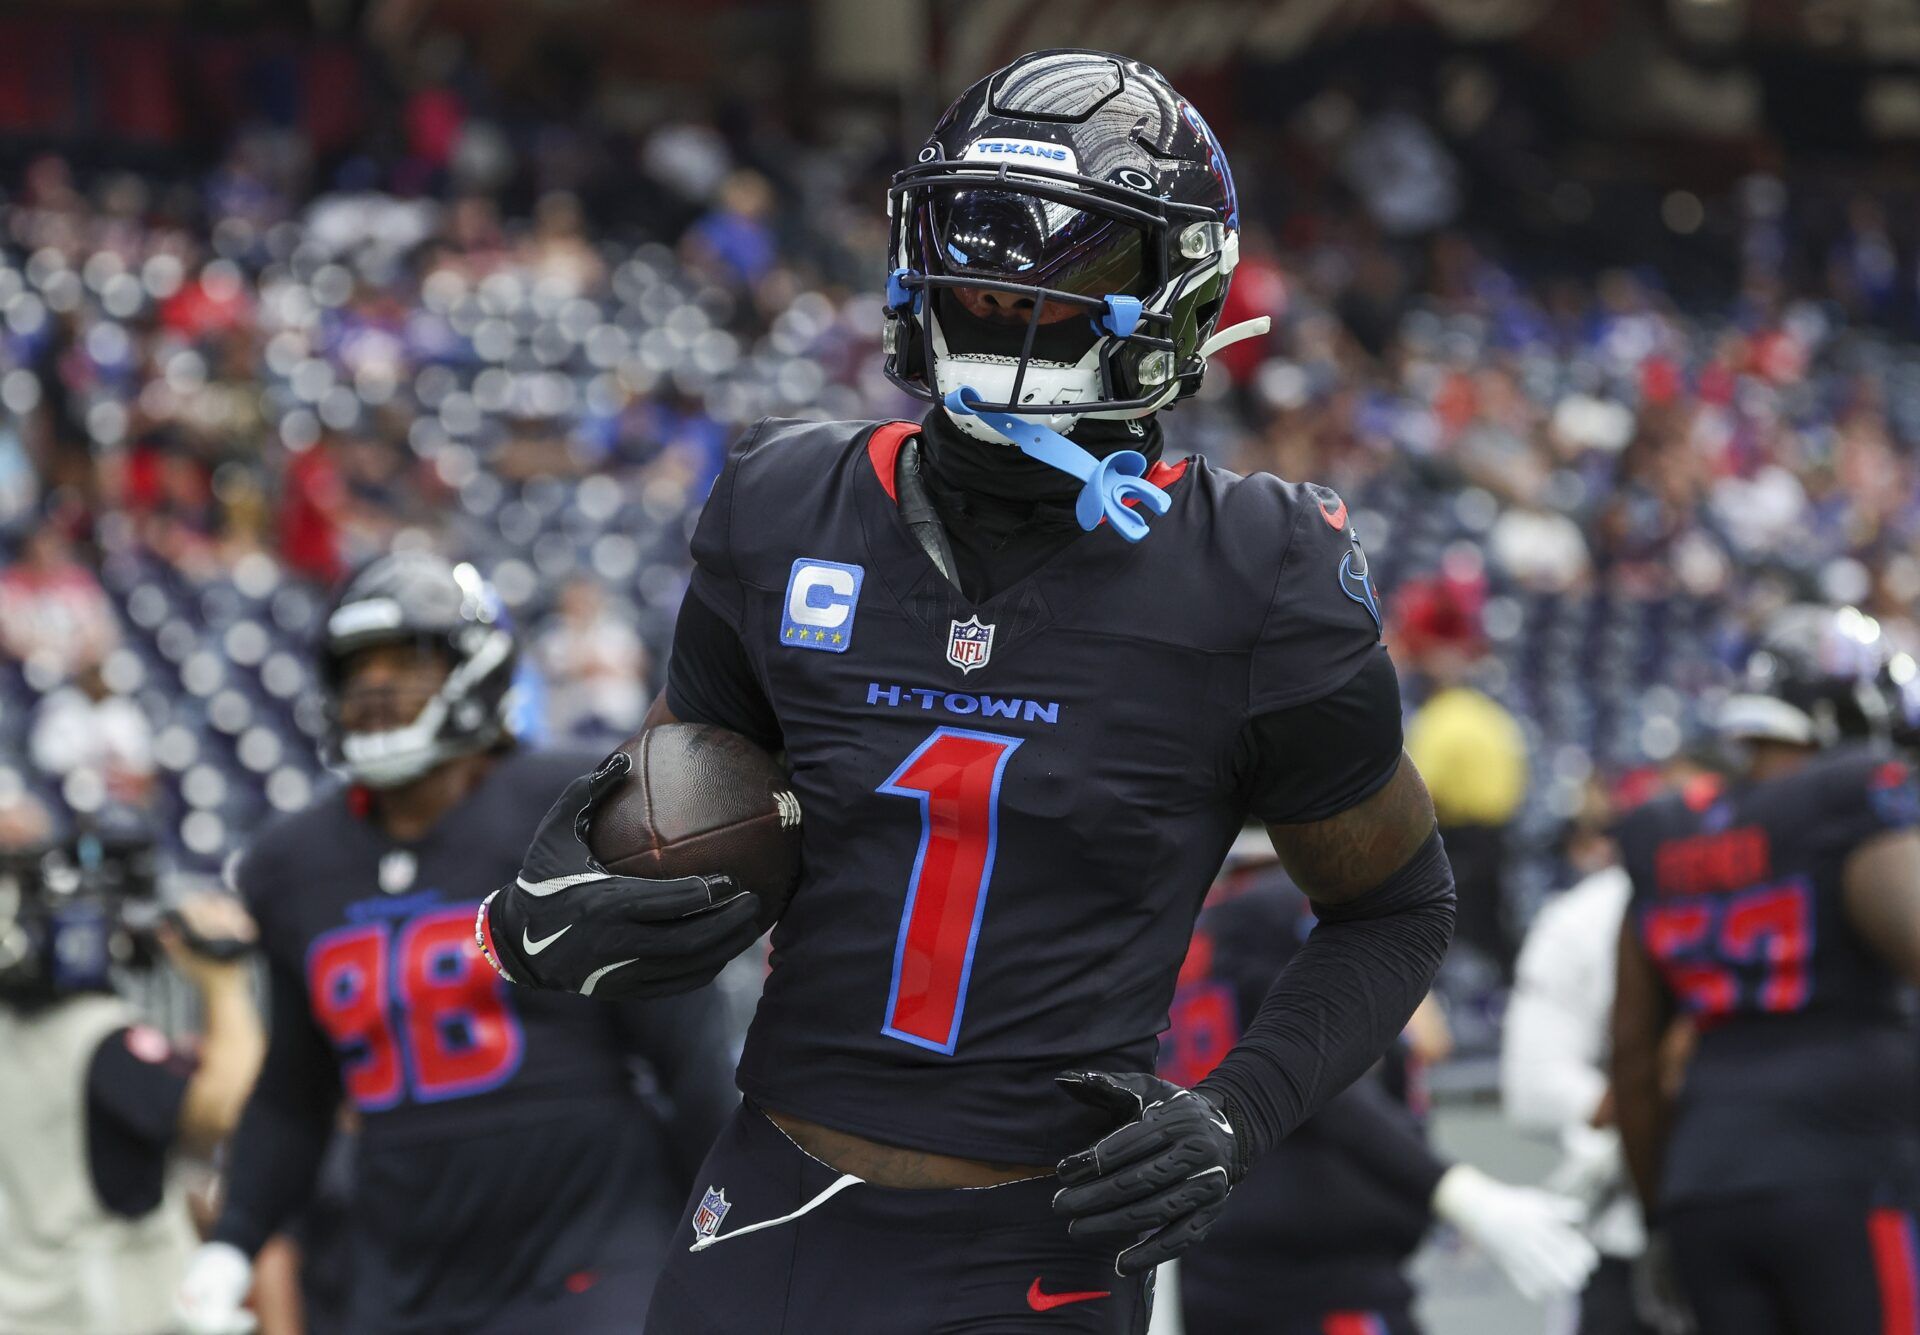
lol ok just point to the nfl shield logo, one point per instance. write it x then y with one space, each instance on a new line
707 1215
970 644
397 870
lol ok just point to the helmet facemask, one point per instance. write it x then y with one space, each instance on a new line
394 756
1079 193
1118 289
1821 676
451 611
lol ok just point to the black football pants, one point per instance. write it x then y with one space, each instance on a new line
880 1261
591 1302
1607 1303
1236 1293
1819 1261
1209 1316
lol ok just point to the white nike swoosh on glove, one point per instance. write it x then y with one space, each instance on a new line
557 883
533 947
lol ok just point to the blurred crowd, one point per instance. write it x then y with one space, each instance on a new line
529 343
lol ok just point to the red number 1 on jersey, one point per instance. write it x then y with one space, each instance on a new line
955 776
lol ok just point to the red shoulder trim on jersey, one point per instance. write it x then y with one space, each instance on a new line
1162 475
883 449
1890 774
1701 792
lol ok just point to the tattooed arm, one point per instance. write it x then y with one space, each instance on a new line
1343 857
1380 884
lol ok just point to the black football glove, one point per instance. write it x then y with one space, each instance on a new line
570 925
1166 1173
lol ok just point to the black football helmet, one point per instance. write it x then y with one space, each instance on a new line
418 597
1080 191
1821 676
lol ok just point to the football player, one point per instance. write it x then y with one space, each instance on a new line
1780 915
509 1176
1316 1241
1032 672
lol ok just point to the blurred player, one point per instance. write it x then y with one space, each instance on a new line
509 1178
1023 744
1781 915
94 1227
1316 1241
1553 1061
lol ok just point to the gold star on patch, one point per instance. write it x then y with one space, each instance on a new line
819 635
789 632
836 637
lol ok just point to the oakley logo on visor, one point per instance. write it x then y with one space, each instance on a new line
1035 152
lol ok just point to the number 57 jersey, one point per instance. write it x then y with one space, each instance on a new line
1013 808
1803 1072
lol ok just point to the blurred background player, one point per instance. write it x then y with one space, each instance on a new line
1318 1239
509 1175
95 1230
1469 749
1780 915
1554 1058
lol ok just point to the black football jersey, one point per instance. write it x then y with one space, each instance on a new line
1013 808
503 1146
1804 1069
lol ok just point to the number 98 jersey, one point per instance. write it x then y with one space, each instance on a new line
1804 1068
378 938
1011 809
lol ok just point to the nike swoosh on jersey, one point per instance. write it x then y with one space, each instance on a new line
1336 519
1046 1302
533 947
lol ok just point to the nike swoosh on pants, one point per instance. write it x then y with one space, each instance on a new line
1046 1302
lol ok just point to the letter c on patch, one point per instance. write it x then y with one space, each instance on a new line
821 596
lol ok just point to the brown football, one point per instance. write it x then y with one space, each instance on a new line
702 800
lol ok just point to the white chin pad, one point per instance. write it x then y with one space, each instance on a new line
387 759
991 378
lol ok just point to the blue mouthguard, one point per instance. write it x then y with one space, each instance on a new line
1110 482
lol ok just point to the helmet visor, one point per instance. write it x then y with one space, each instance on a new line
1003 235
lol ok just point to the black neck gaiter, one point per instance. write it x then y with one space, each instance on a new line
1002 476
1005 513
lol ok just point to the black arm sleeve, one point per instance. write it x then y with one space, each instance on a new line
689 1043
138 1094
283 1133
710 678
1315 760
1340 1002
136 1083
1381 1136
